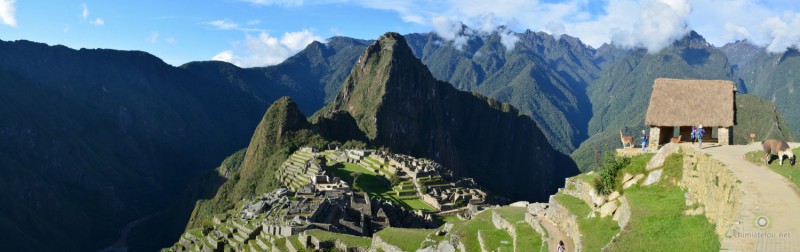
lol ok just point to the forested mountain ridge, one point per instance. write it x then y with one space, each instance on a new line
397 103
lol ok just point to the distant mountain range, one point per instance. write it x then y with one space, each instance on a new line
93 139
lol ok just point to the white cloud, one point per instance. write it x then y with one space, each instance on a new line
784 32
226 56
265 50
223 24
660 23
450 31
171 40
508 38
85 12
650 24
98 22
227 24
299 40
8 12
85 15
153 38
735 32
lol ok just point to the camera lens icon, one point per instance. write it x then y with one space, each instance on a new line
762 222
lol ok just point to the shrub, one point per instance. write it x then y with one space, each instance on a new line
606 181
394 181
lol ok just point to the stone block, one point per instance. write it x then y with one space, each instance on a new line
653 177
613 196
633 181
608 209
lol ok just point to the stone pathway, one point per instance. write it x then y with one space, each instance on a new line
556 235
765 194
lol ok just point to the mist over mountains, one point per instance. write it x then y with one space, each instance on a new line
93 139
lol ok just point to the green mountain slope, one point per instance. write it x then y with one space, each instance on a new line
397 103
774 77
543 76
282 130
93 139
621 93
756 115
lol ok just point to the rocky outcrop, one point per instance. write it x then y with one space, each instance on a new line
658 160
623 213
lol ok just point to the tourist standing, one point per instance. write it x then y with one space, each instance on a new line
644 141
561 247
694 134
700 134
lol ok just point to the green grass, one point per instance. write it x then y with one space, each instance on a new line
407 239
588 178
349 240
638 164
792 173
469 230
527 238
497 240
281 244
658 224
512 214
296 243
376 186
673 170
597 232
441 219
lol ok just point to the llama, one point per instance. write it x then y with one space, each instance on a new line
627 141
777 147
676 139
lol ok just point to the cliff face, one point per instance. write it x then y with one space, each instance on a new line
397 103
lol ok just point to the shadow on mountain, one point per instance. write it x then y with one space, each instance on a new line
695 56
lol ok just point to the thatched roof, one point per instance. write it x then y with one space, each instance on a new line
676 102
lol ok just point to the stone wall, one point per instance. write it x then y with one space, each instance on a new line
580 189
724 135
655 138
564 220
709 183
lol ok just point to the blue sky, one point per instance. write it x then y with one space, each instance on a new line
264 32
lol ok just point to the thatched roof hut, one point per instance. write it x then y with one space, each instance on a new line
677 105
676 102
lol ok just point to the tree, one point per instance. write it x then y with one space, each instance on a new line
355 176
354 144
394 181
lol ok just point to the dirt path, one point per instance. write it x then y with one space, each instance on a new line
765 193
556 235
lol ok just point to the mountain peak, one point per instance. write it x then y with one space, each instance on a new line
283 115
388 66
396 102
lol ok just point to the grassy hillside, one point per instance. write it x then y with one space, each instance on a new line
282 130
756 115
